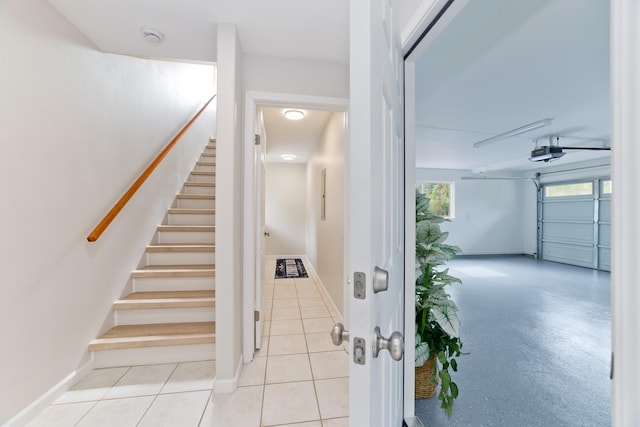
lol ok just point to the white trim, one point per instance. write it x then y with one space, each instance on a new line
422 18
252 100
228 386
333 309
45 400
625 132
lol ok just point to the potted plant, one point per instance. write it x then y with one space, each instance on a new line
437 326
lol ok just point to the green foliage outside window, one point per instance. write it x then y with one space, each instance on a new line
439 195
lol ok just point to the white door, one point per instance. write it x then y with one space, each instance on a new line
259 157
376 212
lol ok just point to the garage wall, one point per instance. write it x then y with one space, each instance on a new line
491 217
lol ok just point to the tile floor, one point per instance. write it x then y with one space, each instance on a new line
298 378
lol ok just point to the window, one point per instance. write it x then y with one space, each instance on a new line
565 190
440 194
606 187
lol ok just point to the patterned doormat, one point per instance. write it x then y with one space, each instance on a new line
290 267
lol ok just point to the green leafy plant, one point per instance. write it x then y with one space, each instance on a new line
437 324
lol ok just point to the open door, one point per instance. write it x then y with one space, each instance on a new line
376 217
260 152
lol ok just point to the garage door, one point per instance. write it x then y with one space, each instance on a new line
574 221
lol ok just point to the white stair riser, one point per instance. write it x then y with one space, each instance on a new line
195 204
207 158
210 191
154 355
201 178
209 150
191 219
156 284
205 168
178 258
165 315
201 237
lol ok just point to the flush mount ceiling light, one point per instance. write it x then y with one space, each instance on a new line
288 157
294 114
513 132
151 34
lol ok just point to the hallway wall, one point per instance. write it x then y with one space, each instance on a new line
285 209
77 127
325 238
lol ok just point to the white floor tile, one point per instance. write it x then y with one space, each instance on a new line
333 364
288 368
333 397
307 292
117 412
141 381
285 303
285 314
264 348
266 327
322 324
286 327
207 418
309 424
311 302
191 376
314 312
287 344
240 408
253 373
93 386
61 415
336 422
284 291
320 342
289 403
177 409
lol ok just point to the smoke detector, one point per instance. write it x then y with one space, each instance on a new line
151 34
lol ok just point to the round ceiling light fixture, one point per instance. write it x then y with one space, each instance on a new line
288 157
151 34
294 114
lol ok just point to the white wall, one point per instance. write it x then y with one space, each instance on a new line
491 217
325 238
229 213
285 208
292 76
76 128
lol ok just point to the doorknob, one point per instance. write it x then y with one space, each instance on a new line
267 234
395 344
338 334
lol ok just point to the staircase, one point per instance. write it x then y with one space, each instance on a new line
169 316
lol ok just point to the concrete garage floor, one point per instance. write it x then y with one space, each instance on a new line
539 337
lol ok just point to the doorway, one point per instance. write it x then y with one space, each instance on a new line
476 129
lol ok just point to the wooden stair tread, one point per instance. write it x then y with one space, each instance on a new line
199 184
154 335
170 295
166 299
186 227
205 163
193 270
192 211
196 196
172 247
205 173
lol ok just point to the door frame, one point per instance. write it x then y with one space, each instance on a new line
625 103
253 100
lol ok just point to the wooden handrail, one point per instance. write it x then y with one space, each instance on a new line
115 210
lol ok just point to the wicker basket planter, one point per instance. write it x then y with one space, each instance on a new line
426 381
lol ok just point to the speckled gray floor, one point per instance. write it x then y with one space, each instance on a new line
539 337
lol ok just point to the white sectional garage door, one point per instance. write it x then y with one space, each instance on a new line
574 223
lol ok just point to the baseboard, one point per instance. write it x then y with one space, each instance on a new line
45 400
333 309
228 386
